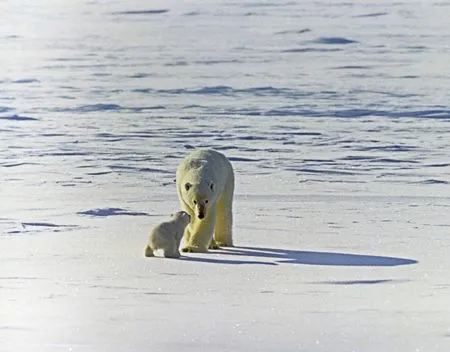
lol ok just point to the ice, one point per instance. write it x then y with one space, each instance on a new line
335 117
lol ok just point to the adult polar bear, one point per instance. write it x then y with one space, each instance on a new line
205 186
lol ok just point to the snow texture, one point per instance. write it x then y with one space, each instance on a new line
335 115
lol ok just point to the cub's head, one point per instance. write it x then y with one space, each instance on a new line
181 217
199 197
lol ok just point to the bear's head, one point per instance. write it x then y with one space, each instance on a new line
199 197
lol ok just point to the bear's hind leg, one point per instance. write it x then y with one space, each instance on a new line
223 232
224 220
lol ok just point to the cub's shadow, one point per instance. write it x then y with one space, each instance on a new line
275 256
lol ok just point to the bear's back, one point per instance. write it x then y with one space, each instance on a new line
207 163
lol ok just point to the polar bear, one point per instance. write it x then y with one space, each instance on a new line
205 186
167 235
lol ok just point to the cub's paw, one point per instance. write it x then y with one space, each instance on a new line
149 252
172 255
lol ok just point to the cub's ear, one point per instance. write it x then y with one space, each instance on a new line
187 186
211 186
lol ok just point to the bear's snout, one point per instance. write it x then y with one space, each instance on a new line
200 210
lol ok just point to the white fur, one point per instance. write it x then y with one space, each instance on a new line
205 186
167 236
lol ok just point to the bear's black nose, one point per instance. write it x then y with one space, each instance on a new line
201 216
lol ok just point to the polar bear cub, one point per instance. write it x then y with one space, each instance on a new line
205 187
167 235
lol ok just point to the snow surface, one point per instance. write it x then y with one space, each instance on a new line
335 116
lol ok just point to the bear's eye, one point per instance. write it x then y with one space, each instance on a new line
206 201
195 202
211 186
187 186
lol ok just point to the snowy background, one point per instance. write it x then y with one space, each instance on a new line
336 118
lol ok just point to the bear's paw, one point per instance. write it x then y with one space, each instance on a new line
223 244
214 245
193 249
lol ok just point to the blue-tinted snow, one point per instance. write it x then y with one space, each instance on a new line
363 82
336 117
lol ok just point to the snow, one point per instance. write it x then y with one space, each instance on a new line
335 116
334 273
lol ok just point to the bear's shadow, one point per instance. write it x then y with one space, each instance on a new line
276 256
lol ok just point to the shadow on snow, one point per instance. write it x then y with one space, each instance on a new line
288 256
223 261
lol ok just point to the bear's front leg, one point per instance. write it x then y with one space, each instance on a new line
199 234
187 234
188 246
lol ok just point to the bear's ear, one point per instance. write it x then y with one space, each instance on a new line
211 186
187 186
